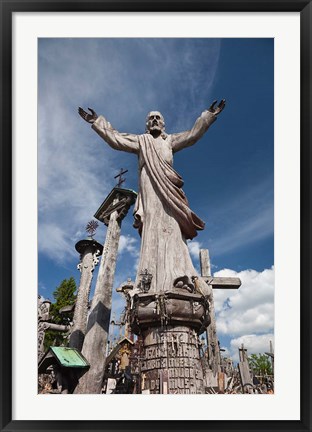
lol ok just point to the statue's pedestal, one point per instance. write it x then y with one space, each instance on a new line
169 324
171 362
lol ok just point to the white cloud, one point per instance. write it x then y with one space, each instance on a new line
76 169
246 315
55 243
194 248
250 309
129 244
254 343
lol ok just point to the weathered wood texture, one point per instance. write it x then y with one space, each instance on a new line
244 370
223 282
213 343
212 338
245 377
94 347
204 263
172 362
88 261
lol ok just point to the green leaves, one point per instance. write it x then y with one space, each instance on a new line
260 364
64 295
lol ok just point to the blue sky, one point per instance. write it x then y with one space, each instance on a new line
228 174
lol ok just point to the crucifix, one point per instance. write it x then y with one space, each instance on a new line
121 180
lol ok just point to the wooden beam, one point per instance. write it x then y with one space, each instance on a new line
204 263
223 282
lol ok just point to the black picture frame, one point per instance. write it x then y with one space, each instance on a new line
7 9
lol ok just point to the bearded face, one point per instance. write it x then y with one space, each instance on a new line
155 123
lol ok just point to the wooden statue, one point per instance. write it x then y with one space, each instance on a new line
162 214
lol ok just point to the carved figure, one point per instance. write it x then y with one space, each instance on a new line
162 214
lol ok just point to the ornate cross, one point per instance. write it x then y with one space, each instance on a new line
119 176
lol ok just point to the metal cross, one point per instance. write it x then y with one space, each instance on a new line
120 180
91 227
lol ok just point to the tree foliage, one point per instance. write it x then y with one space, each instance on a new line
64 295
260 364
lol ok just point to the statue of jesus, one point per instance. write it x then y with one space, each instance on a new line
161 214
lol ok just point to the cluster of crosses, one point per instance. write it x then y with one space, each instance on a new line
86 364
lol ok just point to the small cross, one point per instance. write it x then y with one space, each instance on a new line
120 179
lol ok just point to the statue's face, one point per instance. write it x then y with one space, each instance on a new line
155 122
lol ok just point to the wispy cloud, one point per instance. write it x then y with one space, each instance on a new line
243 219
122 79
194 248
129 244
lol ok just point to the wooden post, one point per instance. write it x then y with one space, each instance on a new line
213 345
94 347
89 250
214 357
244 370
111 212
271 355
204 263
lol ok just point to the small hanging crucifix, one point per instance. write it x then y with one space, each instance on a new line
120 178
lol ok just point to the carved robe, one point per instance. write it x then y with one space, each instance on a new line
161 212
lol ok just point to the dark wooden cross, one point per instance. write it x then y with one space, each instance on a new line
119 176
242 353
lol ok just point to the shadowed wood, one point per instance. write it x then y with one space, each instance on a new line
89 250
94 347
223 282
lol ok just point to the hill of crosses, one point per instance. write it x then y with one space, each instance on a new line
167 341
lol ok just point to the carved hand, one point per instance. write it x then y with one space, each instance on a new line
218 109
90 118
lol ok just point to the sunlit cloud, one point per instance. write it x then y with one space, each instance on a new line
254 343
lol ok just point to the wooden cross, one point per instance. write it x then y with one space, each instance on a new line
242 353
216 283
119 176
271 355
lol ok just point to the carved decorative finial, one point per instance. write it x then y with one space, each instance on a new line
121 180
91 227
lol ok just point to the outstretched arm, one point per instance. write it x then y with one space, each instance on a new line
188 138
116 140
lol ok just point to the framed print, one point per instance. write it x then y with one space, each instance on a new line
184 338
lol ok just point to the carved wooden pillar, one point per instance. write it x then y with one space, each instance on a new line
111 212
170 324
89 250
172 362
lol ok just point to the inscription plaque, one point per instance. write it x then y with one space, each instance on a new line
172 362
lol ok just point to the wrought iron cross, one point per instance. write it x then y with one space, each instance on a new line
119 176
91 227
